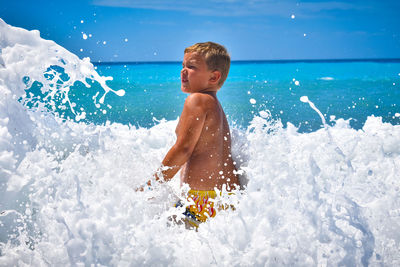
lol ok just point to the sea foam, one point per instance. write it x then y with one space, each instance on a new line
329 197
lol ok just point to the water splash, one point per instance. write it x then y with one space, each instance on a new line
305 99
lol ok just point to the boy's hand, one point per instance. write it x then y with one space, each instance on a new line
141 188
156 177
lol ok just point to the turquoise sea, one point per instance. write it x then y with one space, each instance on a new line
342 88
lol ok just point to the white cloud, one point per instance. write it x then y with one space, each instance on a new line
233 7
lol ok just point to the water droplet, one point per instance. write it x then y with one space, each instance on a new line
304 99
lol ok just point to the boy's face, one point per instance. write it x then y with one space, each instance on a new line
195 75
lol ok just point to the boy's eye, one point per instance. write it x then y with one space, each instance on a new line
188 66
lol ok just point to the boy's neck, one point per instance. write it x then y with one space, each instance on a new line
211 92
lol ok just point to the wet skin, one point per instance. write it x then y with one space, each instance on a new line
203 145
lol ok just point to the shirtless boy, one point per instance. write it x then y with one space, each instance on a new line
203 145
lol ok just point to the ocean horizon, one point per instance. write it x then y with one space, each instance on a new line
327 60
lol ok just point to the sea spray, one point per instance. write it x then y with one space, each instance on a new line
330 140
305 99
29 61
67 192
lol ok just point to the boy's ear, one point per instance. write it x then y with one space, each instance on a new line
215 76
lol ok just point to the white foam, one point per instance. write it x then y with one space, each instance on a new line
329 197
264 114
327 78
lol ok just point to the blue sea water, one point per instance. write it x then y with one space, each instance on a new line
344 89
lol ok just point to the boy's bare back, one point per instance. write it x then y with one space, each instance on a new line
210 164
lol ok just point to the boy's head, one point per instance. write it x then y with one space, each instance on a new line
216 57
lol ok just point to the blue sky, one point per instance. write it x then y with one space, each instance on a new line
157 30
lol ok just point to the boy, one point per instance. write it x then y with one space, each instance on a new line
203 145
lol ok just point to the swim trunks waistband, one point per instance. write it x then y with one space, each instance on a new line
204 193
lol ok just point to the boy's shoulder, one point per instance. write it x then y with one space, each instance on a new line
201 102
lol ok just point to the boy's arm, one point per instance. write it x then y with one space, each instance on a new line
188 132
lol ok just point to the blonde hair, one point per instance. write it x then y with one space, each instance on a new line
216 57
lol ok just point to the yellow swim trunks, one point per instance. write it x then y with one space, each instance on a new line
203 207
